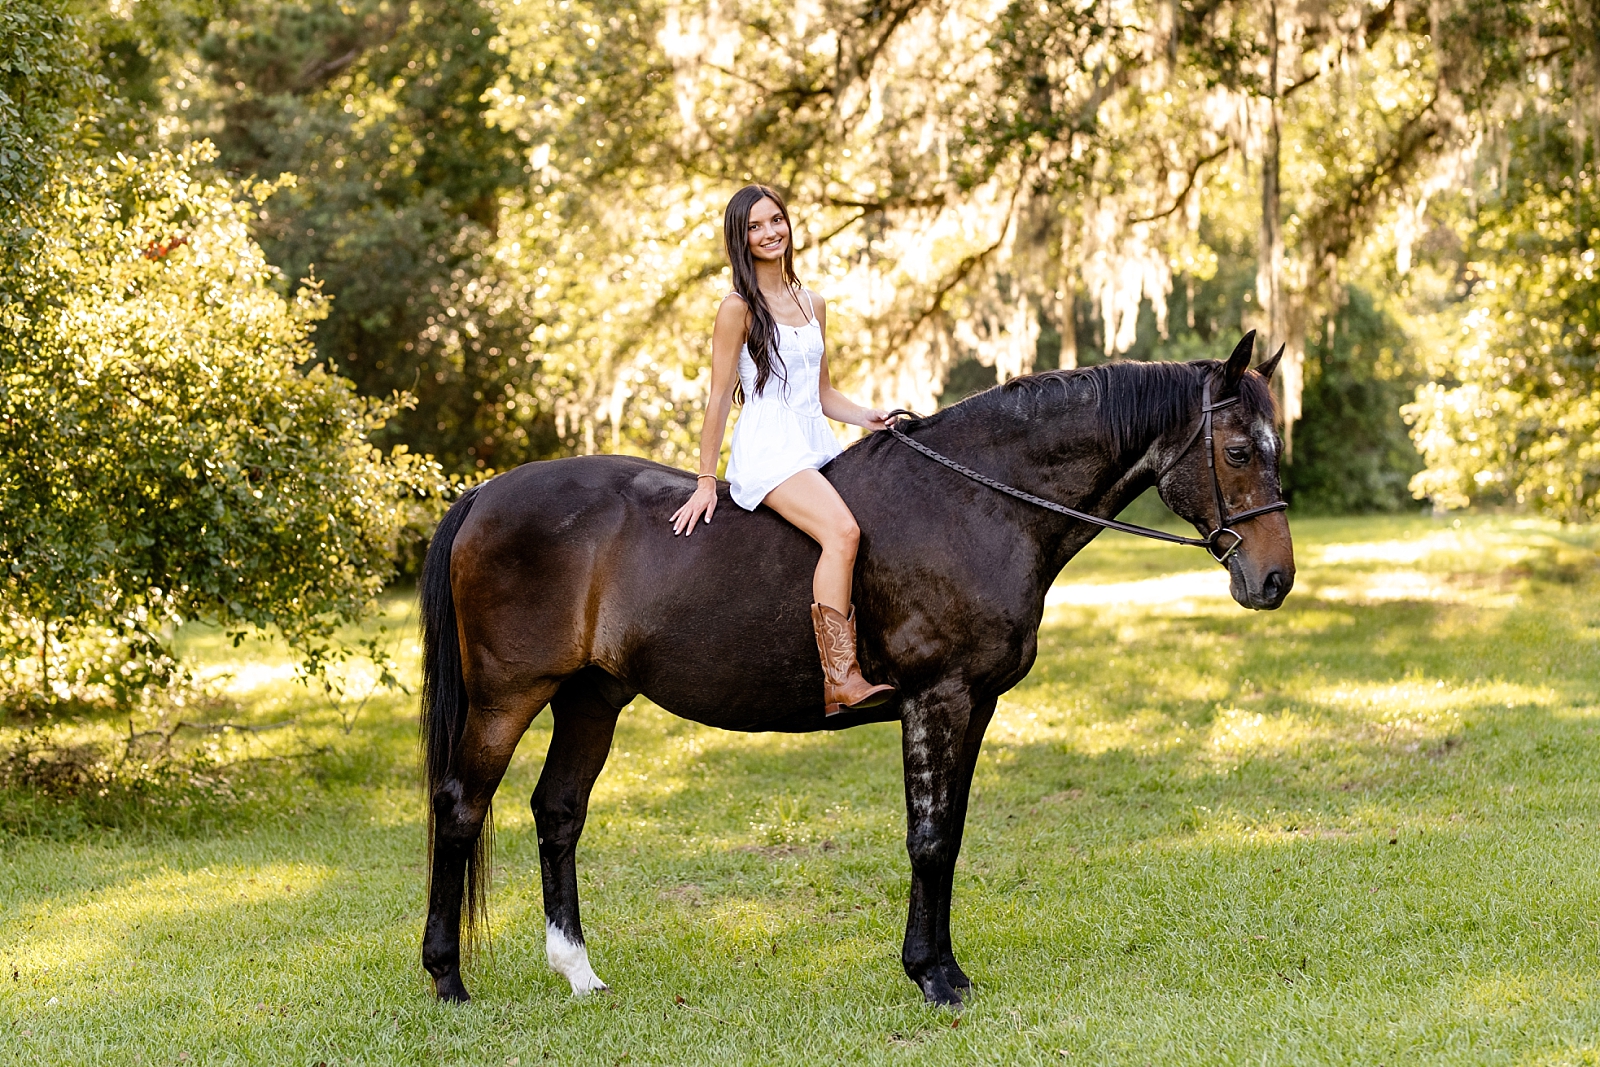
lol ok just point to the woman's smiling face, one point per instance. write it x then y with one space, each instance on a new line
768 231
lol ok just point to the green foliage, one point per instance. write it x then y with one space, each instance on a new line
1352 452
169 448
514 205
43 84
379 110
1513 415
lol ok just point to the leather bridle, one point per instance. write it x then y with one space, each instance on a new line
1212 542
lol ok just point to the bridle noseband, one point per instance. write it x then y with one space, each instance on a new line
1212 542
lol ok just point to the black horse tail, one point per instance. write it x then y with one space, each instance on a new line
444 701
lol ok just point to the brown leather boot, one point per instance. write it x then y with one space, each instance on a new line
843 686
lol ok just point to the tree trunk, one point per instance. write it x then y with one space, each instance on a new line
1269 261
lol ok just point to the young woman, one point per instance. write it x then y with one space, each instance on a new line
767 350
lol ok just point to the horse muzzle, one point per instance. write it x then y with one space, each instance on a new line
1260 591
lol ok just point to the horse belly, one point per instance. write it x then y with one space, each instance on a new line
715 627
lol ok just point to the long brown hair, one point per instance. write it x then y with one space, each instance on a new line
761 336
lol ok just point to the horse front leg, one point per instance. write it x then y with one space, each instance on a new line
961 792
584 725
461 805
936 727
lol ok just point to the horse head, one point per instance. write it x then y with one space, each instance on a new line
1222 476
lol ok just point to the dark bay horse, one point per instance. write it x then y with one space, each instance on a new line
561 583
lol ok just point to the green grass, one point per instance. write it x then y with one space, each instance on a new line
1362 829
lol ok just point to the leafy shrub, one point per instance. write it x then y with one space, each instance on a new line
1511 415
168 447
44 85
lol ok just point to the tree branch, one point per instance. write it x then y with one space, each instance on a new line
843 226
1177 201
796 92
963 269
1334 229
1372 27
898 15
873 207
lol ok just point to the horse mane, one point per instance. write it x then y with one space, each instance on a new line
1138 401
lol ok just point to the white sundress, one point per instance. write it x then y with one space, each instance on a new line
782 431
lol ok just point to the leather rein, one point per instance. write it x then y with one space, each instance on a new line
1212 542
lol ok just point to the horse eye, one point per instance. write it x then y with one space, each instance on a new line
1238 456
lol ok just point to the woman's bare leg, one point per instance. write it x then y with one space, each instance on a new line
810 502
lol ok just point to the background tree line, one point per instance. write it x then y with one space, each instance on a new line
506 214
514 204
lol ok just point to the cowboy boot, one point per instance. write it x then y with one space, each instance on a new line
843 686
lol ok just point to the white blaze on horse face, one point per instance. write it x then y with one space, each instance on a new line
1266 439
570 960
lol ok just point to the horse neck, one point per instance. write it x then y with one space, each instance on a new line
1049 439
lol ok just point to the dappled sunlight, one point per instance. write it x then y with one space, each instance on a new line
100 926
1362 829
239 680
1474 547
1183 800
1234 733
1394 585
1305 620
1196 585
1144 732
1479 547
1414 705
657 755
1409 551
664 773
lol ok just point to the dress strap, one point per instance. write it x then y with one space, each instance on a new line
811 307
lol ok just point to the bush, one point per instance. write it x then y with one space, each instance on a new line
168 447
1513 413
44 86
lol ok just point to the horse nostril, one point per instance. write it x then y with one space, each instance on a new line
1275 586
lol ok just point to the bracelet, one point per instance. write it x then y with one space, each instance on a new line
713 477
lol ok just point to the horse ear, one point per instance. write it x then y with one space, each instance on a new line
1239 362
1266 369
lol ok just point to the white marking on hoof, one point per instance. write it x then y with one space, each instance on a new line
571 960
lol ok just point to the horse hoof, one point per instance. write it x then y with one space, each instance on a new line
957 977
451 989
936 989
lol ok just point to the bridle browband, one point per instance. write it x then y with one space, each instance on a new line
1212 542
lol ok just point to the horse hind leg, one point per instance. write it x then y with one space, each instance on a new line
461 805
585 711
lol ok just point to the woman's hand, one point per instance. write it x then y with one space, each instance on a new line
704 502
875 419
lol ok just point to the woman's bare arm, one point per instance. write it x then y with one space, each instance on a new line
726 338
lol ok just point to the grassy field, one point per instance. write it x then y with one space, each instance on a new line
1363 829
